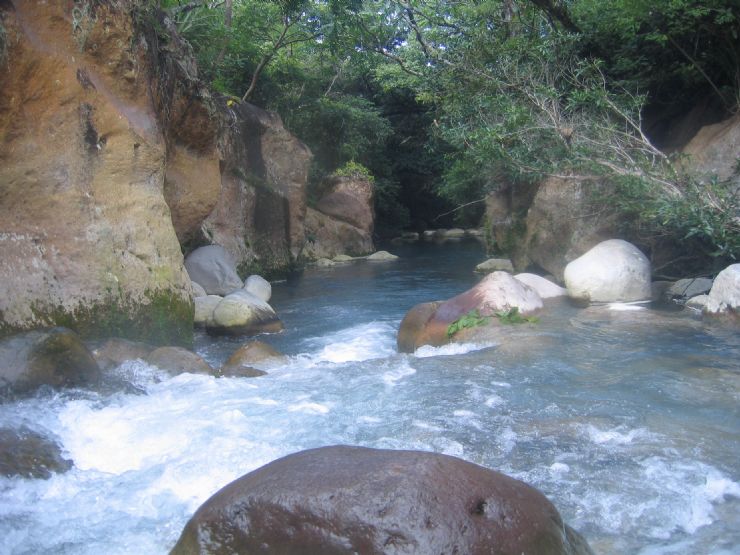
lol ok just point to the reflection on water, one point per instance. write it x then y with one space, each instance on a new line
627 420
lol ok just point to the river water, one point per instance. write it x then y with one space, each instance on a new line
628 420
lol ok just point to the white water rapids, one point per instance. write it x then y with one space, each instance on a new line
633 432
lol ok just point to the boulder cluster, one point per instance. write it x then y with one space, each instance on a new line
613 271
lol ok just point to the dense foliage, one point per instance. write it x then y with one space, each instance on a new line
444 101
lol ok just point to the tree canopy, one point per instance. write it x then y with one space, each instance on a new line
446 100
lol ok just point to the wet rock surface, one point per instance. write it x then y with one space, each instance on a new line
342 500
29 454
55 357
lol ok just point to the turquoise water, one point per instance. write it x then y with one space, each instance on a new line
627 419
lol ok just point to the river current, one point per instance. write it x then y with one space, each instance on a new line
627 419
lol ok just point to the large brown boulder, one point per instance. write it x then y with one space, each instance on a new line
344 500
116 351
428 323
714 151
55 357
87 240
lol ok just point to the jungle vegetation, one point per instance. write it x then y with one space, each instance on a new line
443 101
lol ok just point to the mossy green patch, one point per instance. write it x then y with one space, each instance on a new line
159 318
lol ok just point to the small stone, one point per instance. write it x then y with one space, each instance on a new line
381 256
687 288
495 264
176 360
29 454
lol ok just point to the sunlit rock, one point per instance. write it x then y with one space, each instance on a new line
345 500
240 363
612 271
55 357
241 313
214 269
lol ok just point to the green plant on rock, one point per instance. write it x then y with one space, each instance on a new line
356 170
472 319
512 316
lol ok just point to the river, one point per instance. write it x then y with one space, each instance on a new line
629 421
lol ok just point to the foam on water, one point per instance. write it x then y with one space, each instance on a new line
449 350
358 343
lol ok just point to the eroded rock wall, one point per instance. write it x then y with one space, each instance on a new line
86 237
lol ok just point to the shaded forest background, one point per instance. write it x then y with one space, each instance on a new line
444 101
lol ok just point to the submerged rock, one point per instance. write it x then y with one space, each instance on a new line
214 269
55 357
29 454
176 360
204 307
612 271
240 363
116 350
345 500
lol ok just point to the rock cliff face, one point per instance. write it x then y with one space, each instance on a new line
86 237
114 160
259 214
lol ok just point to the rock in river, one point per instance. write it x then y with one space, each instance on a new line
55 357
214 269
345 500
241 313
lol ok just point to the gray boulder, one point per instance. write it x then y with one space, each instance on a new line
259 287
214 269
381 256
198 290
612 271
724 298
686 288
55 357
346 500
241 313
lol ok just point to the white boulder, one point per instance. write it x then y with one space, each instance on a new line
612 271
259 287
382 255
204 307
725 294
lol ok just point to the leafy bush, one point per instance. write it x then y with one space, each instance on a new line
470 320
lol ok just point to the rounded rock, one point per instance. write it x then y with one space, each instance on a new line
724 297
259 287
204 307
176 360
242 313
214 269
344 500
612 271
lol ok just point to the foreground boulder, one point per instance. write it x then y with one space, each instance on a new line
55 357
214 269
259 287
427 324
724 298
29 454
612 271
241 313
344 500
